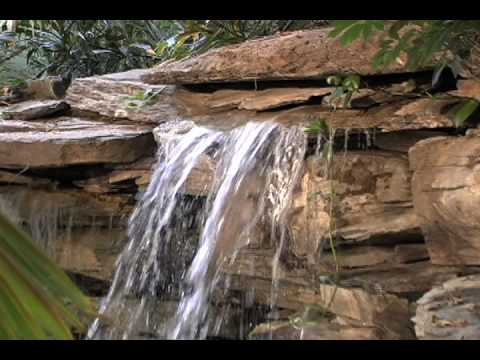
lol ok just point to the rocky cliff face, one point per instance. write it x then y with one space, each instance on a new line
390 217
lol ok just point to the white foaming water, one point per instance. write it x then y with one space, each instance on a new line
178 244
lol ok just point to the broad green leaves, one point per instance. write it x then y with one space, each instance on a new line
37 300
351 30
345 87
424 42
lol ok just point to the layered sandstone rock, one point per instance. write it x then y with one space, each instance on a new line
446 197
310 54
68 141
367 197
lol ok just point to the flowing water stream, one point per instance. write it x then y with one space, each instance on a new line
172 265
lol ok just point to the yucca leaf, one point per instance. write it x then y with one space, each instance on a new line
39 299
33 297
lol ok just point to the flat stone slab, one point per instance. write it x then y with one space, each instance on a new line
308 54
71 141
34 109
264 99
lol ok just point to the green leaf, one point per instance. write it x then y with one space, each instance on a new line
462 111
352 34
42 301
340 26
352 82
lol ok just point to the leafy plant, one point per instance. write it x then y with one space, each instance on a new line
443 43
141 99
424 43
37 300
74 48
317 127
345 87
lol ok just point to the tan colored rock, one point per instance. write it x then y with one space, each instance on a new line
275 98
34 109
386 117
89 251
446 197
318 330
406 253
354 257
450 311
264 99
116 181
71 141
376 277
228 99
61 208
372 201
109 96
296 291
468 88
309 54
16 178
115 96
402 141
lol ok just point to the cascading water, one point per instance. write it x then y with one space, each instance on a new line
179 243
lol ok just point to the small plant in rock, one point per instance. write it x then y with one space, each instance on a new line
141 99
313 315
317 127
416 44
345 87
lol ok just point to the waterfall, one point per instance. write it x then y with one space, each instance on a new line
168 272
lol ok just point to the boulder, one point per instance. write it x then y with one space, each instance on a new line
446 197
309 54
450 311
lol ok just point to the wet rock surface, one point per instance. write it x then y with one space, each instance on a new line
450 311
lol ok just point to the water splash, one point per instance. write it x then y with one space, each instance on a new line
44 220
257 167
